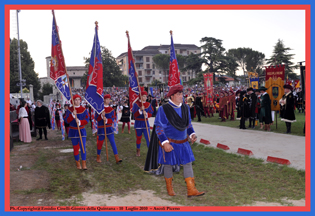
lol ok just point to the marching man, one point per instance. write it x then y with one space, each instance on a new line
141 114
82 120
108 115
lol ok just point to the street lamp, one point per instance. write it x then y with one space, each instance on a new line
19 54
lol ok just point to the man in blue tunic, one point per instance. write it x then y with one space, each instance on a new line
172 127
142 110
82 120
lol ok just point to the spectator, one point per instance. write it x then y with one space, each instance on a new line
24 127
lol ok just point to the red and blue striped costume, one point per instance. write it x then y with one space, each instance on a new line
110 116
139 121
83 116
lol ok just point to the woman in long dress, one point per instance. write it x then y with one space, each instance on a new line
24 126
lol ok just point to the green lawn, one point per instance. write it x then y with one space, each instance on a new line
278 126
228 179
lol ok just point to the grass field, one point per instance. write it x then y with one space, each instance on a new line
278 127
228 179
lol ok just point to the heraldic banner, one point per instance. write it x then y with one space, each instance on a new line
208 80
254 82
274 85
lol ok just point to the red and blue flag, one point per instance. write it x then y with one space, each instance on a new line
94 94
174 77
57 67
133 81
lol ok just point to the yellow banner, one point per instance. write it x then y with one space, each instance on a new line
275 91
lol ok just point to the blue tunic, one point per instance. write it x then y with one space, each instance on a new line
139 118
182 153
83 116
110 115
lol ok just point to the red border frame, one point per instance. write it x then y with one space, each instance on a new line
307 9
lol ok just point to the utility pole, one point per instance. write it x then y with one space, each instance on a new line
19 54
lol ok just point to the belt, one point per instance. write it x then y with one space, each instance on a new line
76 128
178 141
139 119
25 117
107 126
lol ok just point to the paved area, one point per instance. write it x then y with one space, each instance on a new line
261 143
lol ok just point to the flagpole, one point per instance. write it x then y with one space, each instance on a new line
96 26
145 120
69 84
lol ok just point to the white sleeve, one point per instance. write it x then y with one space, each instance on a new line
140 112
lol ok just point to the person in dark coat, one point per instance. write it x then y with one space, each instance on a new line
252 106
265 108
287 107
153 104
243 109
237 104
257 110
42 119
199 107
57 117
125 117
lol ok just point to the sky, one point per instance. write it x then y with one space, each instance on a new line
256 29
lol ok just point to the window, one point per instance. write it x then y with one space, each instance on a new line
153 66
148 66
165 51
147 59
176 51
140 73
195 51
188 73
187 52
153 78
153 72
140 79
160 72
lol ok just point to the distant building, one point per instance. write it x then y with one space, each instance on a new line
75 75
145 67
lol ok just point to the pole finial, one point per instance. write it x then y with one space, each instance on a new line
171 32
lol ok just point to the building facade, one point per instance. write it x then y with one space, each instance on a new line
146 68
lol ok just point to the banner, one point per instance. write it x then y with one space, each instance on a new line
254 82
94 121
274 85
174 75
94 94
296 84
62 126
208 85
53 118
274 72
58 67
133 80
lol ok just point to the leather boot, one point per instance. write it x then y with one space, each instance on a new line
117 159
169 186
268 127
78 164
98 158
265 128
138 152
191 189
84 165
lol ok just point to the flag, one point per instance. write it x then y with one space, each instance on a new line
115 125
53 118
133 81
94 94
50 106
94 121
297 83
57 66
62 125
174 77
254 82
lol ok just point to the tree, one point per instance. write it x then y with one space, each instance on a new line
155 82
213 54
162 61
254 61
46 90
27 68
231 65
112 75
193 62
240 55
25 90
281 56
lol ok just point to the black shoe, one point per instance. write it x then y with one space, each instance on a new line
39 138
244 128
46 138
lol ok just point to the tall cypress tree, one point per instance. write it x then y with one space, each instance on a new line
281 56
